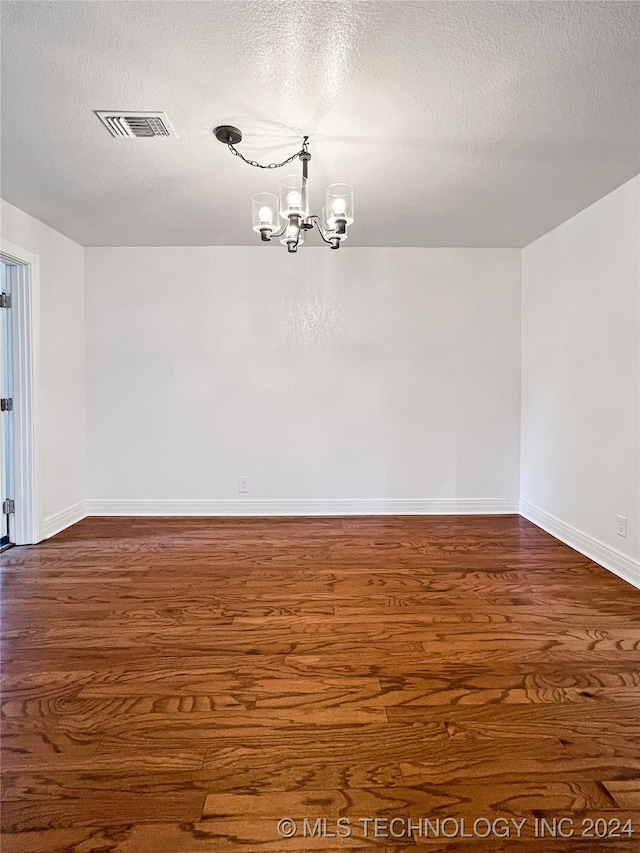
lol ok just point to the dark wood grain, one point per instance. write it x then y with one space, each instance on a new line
178 685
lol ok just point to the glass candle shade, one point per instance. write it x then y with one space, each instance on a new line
289 237
339 207
264 213
294 200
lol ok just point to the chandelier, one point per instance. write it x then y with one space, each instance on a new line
287 215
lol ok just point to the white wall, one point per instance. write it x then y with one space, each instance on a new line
60 416
372 379
580 463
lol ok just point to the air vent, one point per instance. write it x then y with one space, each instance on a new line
142 125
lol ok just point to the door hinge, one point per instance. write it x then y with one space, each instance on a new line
5 300
8 507
6 404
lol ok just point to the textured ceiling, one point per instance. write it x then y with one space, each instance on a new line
458 123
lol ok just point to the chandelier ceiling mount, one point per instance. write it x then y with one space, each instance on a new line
228 134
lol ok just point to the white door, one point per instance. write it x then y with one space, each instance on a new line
6 415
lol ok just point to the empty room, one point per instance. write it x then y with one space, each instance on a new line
340 551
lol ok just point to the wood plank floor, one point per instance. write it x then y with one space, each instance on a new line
181 685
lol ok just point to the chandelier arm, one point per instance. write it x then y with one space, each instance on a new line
320 230
303 150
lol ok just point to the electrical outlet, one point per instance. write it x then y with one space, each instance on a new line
622 526
243 485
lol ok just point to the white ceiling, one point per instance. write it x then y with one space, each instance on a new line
458 123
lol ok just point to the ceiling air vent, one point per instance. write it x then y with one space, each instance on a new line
130 124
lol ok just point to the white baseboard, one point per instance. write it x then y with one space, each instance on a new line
302 507
620 564
57 522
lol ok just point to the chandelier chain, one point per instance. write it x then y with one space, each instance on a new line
303 150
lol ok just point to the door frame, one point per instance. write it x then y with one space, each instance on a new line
27 524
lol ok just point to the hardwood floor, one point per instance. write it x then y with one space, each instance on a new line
181 685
